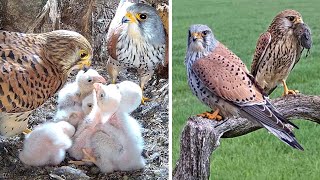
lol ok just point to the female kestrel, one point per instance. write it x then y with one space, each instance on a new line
279 49
137 41
221 81
33 68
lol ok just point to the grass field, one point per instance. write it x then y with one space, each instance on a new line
238 24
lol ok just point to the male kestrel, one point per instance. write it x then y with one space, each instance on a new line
279 49
137 41
221 81
33 68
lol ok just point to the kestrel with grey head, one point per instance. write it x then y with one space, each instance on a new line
279 49
136 39
221 81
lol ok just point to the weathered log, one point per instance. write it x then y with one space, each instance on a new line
201 137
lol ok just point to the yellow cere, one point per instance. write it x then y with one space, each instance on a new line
131 18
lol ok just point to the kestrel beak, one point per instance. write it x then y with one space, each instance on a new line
196 36
298 20
129 18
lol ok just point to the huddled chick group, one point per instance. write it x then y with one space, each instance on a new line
93 124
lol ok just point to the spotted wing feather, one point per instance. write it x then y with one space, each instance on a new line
230 82
262 44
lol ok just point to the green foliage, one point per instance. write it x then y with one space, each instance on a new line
238 24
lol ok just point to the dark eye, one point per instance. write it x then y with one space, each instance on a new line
291 18
143 16
204 33
102 95
89 80
83 55
89 105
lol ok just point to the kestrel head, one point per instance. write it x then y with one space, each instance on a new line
68 50
286 19
144 22
200 38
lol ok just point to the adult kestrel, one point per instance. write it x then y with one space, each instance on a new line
137 41
221 81
279 49
33 68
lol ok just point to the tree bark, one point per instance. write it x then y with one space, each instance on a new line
201 137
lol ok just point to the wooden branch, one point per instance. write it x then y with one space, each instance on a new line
201 137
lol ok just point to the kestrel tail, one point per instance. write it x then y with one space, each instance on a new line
33 68
137 41
221 81
279 49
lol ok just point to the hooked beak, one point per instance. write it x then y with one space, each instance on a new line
196 36
129 18
298 21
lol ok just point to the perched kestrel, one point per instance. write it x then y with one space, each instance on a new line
33 68
221 81
279 49
136 41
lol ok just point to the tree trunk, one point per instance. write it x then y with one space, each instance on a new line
201 137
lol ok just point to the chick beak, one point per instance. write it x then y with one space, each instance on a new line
100 79
97 86
129 18
196 36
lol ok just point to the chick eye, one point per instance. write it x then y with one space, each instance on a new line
102 95
291 18
143 16
204 33
90 105
89 80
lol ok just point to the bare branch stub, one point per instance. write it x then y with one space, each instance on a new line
201 137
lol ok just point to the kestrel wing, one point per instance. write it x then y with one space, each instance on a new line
262 44
227 80
112 41
25 80
230 82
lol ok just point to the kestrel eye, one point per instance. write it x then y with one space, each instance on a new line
143 16
102 95
291 18
89 80
204 33
90 105
83 55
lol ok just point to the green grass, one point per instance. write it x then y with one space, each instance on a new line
238 24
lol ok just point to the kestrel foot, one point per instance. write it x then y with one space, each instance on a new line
27 131
211 115
144 99
288 91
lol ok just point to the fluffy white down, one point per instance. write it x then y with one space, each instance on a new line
47 143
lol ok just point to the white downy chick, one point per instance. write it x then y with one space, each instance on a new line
73 115
47 144
88 103
93 122
74 93
119 144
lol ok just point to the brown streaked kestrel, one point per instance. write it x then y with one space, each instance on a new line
137 41
279 49
221 81
33 68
